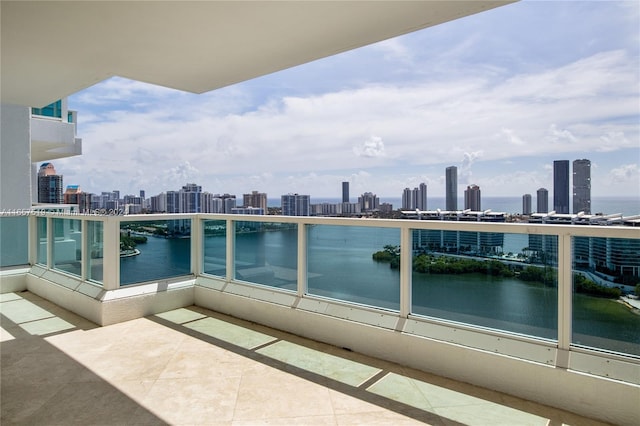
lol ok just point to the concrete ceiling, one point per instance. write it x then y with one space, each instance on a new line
51 49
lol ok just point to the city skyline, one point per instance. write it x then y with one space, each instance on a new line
491 94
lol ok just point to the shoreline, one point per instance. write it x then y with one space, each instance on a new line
125 254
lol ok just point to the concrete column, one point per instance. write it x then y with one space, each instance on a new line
15 157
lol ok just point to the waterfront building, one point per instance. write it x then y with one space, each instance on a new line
472 198
415 198
526 204
255 199
49 185
368 202
296 205
451 178
542 200
561 186
345 192
159 203
582 186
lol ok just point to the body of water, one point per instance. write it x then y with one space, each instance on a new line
340 266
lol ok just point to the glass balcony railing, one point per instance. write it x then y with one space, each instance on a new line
67 246
496 280
14 241
153 250
215 247
341 266
266 253
547 285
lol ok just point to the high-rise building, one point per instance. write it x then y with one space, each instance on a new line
561 186
542 200
49 184
451 175
582 186
142 193
296 205
368 202
526 204
72 194
345 192
415 198
472 198
255 199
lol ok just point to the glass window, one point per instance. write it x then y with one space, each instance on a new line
42 240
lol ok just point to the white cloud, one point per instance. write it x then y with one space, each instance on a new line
372 147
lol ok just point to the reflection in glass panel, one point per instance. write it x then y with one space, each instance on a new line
41 226
154 250
267 253
501 281
341 264
606 279
67 245
95 243
14 240
215 247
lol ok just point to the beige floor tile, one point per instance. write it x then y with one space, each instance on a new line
21 311
401 389
230 333
346 404
330 366
47 326
384 418
6 297
294 421
489 414
193 401
280 395
180 316
5 335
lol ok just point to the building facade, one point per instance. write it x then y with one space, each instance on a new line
49 185
345 192
582 186
295 205
472 198
561 186
542 200
451 177
255 199
526 204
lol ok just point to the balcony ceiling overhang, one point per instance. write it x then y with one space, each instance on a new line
52 49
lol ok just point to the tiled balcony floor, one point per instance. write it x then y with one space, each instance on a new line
193 366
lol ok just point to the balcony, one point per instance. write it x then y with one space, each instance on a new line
389 329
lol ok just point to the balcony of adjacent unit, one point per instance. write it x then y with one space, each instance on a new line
53 132
508 308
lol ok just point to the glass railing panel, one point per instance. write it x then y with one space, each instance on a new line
41 230
154 250
501 281
267 253
341 264
95 249
606 286
215 247
67 245
14 240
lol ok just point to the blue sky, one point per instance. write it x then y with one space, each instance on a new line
499 94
